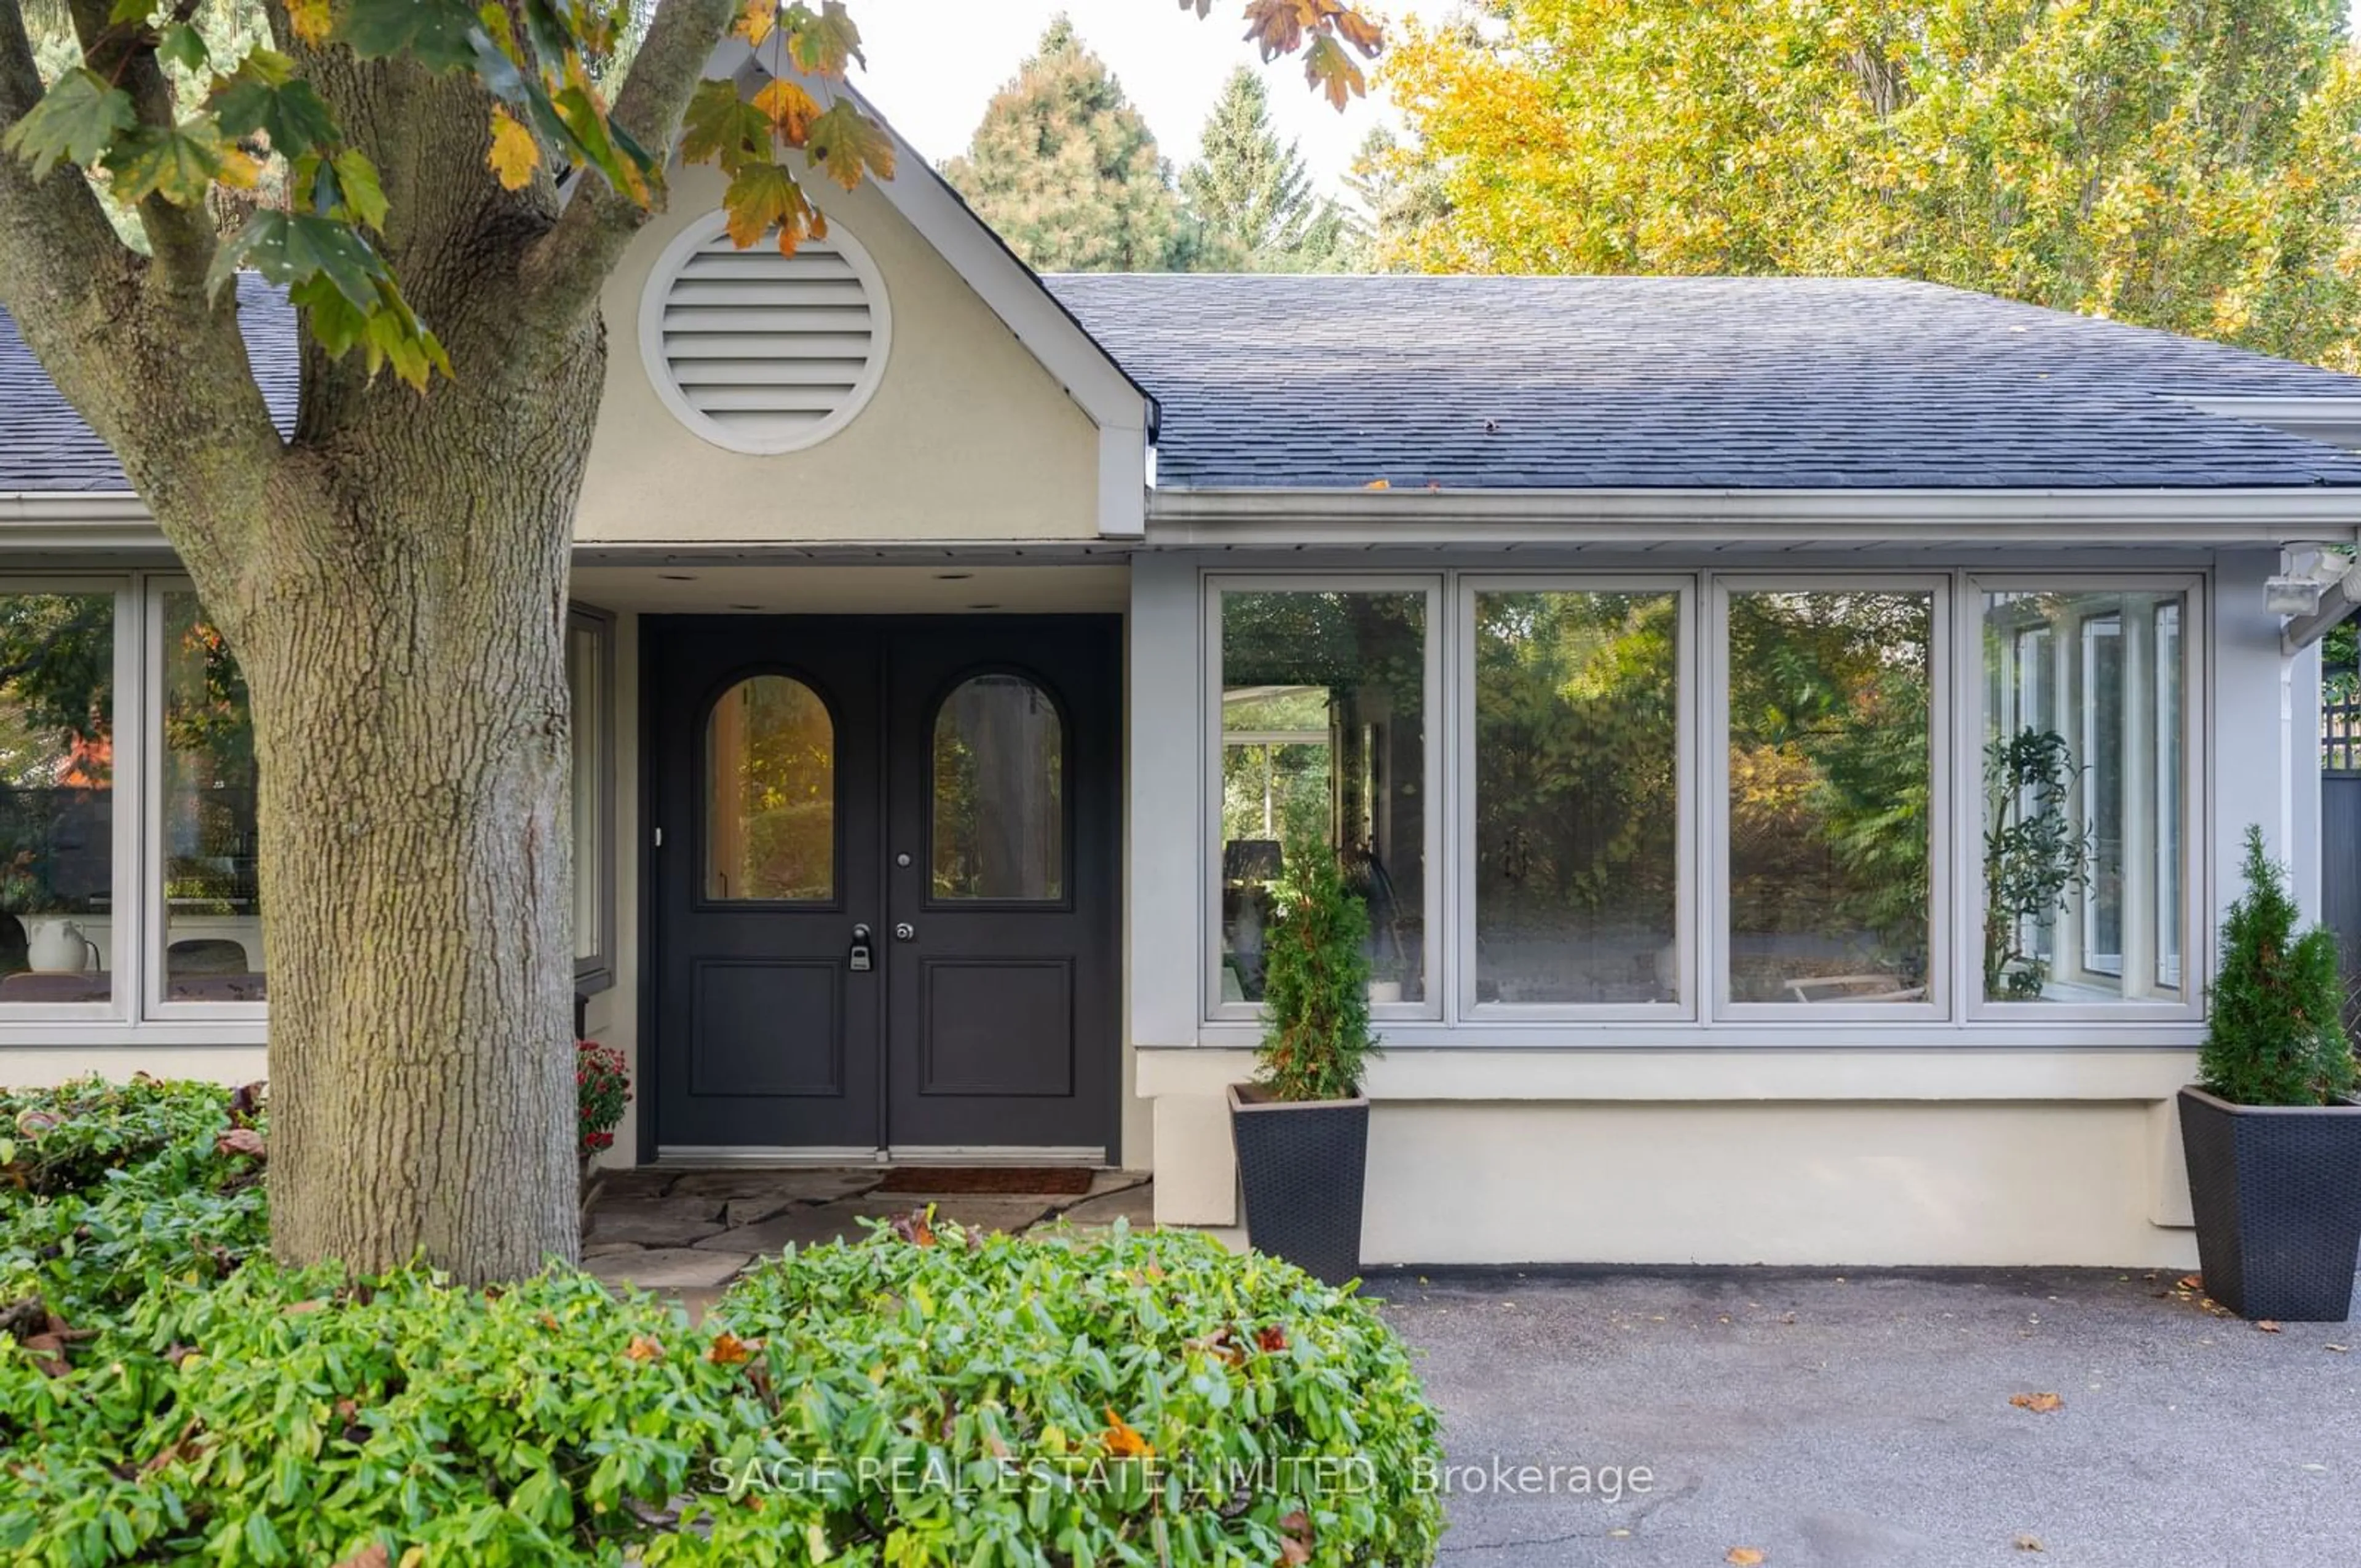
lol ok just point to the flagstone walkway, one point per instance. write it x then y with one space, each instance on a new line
687 1233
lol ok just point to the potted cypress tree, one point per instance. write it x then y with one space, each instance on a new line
1301 1127
2271 1130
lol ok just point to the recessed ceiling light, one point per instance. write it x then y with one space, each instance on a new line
677 576
953 576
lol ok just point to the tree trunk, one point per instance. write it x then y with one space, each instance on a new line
401 633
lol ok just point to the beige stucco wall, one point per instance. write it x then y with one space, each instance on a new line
1830 1159
967 438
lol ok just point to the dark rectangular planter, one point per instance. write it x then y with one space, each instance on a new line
1301 1165
2277 1191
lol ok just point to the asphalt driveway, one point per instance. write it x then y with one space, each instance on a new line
1865 1418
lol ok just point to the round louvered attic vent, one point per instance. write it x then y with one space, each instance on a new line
759 352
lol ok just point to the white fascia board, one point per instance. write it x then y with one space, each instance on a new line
2337 420
77 519
1183 517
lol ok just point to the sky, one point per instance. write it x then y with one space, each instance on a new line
933 65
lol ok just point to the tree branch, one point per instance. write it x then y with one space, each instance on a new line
180 238
160 374
564 269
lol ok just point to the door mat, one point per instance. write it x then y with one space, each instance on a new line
1061 1180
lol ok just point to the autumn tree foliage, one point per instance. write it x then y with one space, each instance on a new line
1251 196
2187 164
1067 171
441 187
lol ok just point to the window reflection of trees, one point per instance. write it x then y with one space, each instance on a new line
771 808
1831 775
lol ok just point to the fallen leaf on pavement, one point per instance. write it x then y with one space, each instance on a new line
2029 1543
2190 1282
2264 1325
1744 1556
2340 1349
2039 1404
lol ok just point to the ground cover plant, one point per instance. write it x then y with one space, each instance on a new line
927 1395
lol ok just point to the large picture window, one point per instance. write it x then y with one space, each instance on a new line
2085 896
1829 820
1323 743
1576 773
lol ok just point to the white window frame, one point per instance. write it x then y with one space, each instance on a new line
2195 805
595 971
1461 910
1438 721
156 992
1944 676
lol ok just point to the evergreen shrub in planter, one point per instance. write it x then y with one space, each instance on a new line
2271 1132
1301 1127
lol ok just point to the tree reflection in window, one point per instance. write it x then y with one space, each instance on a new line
998 792
770 771
1830 790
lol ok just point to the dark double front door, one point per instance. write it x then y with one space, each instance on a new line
884 882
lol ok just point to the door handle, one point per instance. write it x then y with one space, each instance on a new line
903 931
860 960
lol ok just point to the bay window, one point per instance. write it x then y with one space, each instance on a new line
1590 807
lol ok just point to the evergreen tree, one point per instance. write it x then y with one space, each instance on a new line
1400 196
2277 1036
1251 196
1065 169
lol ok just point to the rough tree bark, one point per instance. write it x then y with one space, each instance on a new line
392 580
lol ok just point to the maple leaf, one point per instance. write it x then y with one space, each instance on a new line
1122 1440
514 155
821 41
722 127
76 120
238 170
1358 30
1276 27
757 21
642 1348
309 21
844 140
2039 1404
1328 67
788 107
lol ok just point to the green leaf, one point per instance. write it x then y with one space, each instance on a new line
435 33
822 41
843 141
287 247
287 110
723 127
184 46
76 120
176 162
363 195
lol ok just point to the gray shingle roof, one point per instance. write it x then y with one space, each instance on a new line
1645 382
45 446
1568 383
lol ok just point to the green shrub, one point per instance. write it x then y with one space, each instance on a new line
924 1398
1315 983
2277 1036
108 1189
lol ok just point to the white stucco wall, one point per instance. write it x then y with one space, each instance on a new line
967 438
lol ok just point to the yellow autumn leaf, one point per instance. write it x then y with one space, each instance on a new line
514 154
757 22
788 107
1122 1440
2039 1404
1742 1556
239 170
309 21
